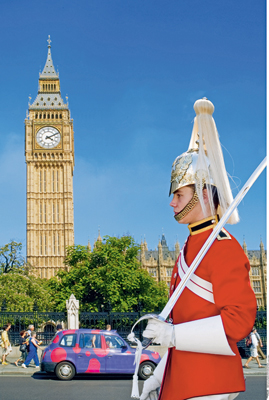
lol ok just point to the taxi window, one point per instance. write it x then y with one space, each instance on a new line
68 340
114 342
90 340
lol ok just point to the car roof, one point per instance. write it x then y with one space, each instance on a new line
84 330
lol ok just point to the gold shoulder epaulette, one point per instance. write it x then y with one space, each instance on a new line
223 235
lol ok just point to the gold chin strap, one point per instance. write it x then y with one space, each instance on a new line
188 207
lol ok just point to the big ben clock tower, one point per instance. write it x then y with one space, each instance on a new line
49 153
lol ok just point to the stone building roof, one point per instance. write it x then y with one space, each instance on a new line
255 254
49 70
50 99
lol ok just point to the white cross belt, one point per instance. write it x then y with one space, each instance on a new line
197 285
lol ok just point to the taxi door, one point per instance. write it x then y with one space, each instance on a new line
90 356
120 358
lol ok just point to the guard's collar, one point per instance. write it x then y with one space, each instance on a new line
203 225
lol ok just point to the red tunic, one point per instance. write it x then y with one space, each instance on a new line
226 266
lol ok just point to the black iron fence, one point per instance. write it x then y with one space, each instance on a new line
120 321
45 324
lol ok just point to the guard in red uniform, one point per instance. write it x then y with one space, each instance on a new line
218 307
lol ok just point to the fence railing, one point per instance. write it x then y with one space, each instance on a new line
45 324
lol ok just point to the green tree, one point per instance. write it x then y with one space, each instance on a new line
11 258
21 291
110 274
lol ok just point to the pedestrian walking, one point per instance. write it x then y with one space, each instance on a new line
6 346
59 328
260 352
32 355
23 346
253 349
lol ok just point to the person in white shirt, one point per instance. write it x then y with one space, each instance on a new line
253 349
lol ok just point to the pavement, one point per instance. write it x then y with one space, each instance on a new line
12 369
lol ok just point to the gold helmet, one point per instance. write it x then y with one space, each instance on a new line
203 165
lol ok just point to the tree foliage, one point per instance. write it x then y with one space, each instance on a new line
111 274
21 291
11 258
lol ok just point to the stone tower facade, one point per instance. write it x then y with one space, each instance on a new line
49 153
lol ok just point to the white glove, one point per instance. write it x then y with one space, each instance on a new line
150 389
152 385
160 332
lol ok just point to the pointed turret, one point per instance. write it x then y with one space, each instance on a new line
177 249
245 247
145 245
49 95
261 246
99 239
49 70
89 246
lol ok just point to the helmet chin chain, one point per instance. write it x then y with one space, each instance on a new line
188 207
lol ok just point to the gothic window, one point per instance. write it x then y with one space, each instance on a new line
52 115
58 213
40 116
45 245
169 272
54 247
41 245
56 116
54 87
36 116
58 244
255 271
53 183
259 302
48 116
257 286
45 213
40 181
40 213
44 116
60 116
43 87
152 272
53 212
45 183
57 181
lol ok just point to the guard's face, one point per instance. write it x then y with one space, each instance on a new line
181 198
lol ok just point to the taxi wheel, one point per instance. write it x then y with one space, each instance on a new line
65 371
146 369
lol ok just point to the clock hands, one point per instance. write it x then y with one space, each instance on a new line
49 137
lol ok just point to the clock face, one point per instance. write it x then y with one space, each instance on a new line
48 137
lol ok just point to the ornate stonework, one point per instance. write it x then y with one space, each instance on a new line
258 273
159 263
49 153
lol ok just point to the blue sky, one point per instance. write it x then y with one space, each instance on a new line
132 71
